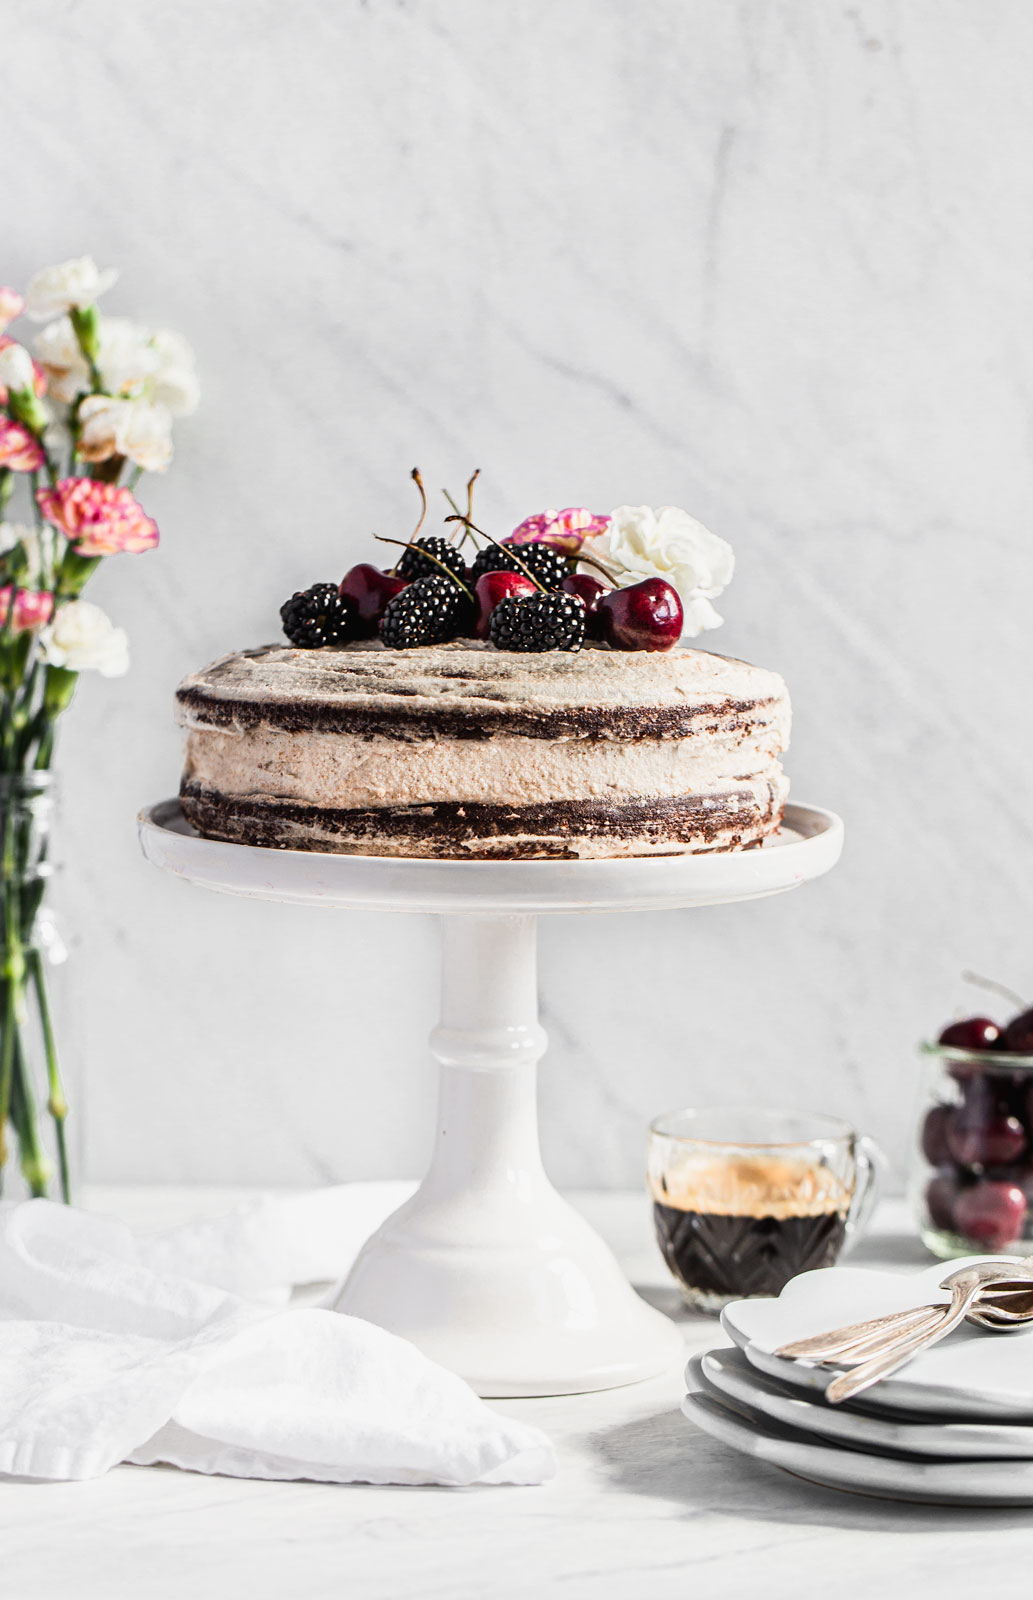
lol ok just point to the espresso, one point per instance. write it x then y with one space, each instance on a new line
740 1228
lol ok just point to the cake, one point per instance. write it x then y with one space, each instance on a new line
463 750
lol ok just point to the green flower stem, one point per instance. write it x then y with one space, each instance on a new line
7 487
13 975
73 572
57 1105
6 1069
34 1164
85 323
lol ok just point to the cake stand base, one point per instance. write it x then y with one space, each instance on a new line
486 1269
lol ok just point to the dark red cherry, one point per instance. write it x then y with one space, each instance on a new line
1018 1035
941 1196
934 1135
590 590
981 1132
645 616
991 1213
490 588
370 589
974 1033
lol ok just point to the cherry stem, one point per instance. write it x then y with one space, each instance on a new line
509 549
430 557
592 561
469 509
418 481
998 988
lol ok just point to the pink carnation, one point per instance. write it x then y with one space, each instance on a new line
19 449
566 530
32 607
98 519
11 305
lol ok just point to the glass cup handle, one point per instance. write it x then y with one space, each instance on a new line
870 1163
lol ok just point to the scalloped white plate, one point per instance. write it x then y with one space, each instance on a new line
730 1376
955 1483
973 1374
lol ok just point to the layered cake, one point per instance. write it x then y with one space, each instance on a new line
465 750
533 701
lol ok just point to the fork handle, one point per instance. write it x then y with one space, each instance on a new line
857 1334
852 1383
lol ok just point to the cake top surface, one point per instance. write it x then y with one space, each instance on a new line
468 678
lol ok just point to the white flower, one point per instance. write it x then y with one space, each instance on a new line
131 360
140 430
125 357
57 350
175 381
82 637
668 543
72 284
16 369
37 553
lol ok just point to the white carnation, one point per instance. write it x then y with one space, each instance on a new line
140 430
16 369
36 543
175 382
71 284
132 361
668 543
83 638
57 350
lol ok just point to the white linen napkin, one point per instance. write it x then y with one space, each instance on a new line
117 1348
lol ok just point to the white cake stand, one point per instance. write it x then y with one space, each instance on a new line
486 1268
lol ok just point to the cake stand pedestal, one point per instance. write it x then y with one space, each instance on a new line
486 1268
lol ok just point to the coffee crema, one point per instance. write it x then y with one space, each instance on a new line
746 1226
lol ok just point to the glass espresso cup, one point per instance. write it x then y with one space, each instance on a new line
744 1199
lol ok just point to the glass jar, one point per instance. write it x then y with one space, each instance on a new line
31 1091
972 1172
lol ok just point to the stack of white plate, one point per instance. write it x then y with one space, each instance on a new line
953 1427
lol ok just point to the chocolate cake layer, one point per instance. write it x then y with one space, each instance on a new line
558 830
462 750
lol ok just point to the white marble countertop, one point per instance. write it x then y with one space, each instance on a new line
642 1503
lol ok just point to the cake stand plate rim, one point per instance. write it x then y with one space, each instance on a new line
809 846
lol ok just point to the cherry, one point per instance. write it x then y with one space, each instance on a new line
934 1136
981 1132
645 616
941 1196
991 1213
974 1033
490 588
1018 1035
591 591
370 589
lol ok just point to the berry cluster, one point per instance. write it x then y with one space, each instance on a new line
524 596
980 1142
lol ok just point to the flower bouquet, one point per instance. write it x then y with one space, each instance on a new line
91 407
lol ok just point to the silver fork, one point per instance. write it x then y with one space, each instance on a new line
861 1339
995 1295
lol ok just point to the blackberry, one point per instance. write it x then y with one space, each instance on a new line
426 612
543 561
318 616
415 564
539 622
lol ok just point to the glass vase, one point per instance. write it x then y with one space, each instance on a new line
972 1169
31 1091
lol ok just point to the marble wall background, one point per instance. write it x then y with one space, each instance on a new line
768 259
